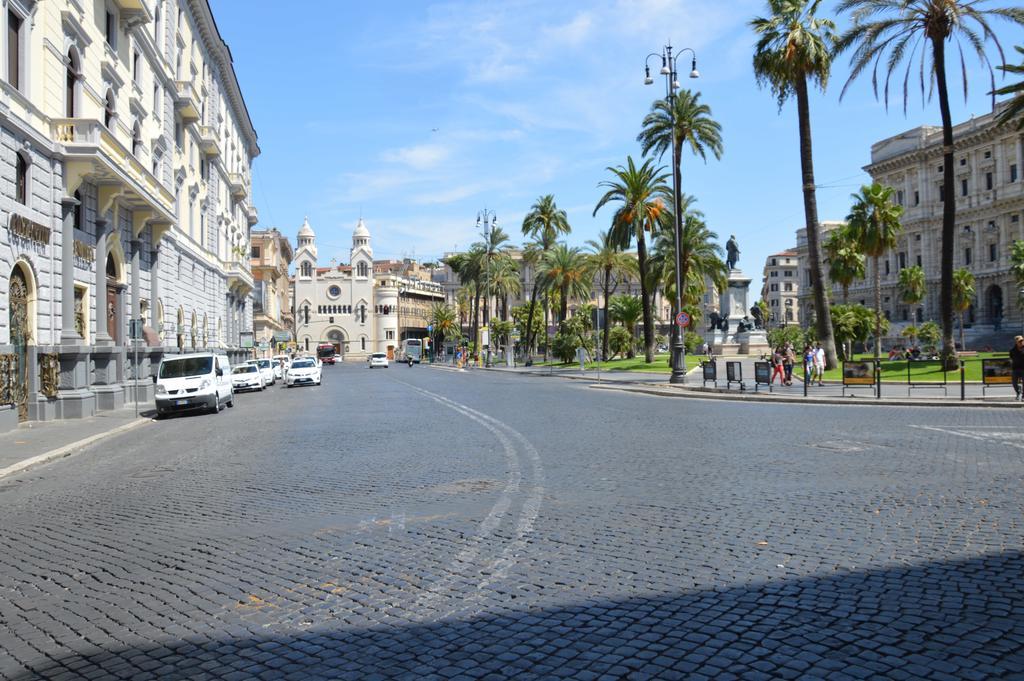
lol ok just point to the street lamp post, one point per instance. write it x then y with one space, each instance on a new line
668 69
488 220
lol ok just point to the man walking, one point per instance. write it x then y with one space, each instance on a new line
819 364
1017 362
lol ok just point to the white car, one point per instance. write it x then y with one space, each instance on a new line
247 377
267 369
379 359
303 371
190 382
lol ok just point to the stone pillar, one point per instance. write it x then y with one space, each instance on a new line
154 288
102 251
68 333
136 277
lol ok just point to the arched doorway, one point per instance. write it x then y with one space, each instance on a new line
113 298
336 338
20 324
994 305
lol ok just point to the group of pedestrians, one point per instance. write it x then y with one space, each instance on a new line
783 358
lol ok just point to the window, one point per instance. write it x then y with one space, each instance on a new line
788 286
918 259
111 29
79 211
940 169
775 262
942 193
179 134
775 273
1013 172
255 252
967 256
788 273
362 314
903 260
389 335
307 269
14 24
109 113
156 103
899 197
334 291
887 266
963 161
21 179
917 198
137 140
963 187
136 68
773 287
362 343
988 181
362 270
992 257
71 85
988 154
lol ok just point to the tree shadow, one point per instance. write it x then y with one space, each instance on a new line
943 620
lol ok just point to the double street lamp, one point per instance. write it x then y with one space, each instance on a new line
488 220
668 69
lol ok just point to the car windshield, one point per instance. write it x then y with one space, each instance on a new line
264 364
379 355
302 364
245 369
187 366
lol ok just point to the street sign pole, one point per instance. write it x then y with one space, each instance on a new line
135 334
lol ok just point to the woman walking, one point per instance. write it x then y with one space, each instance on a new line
777 368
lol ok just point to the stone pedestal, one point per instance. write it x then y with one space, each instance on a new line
74 399
735 304
753 342
106 383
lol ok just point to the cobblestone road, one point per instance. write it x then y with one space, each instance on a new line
422 523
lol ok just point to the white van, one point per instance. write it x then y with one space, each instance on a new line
200 380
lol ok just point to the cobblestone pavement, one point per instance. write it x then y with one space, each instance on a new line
427 524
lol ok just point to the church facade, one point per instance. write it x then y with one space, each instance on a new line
349 306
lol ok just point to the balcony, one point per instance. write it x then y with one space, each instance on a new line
92 151
238 186
251 215
208 141
239 275
187 101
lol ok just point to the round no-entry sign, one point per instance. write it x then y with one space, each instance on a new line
683 319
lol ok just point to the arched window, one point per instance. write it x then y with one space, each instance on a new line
361 269
362 342
109 112
21 179
362 314
307 269
136 140
71 108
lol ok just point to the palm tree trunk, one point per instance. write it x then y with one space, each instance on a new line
547 309
476 321
962 346
823 315
563 311
529 321
878 310
948 208
645 297
607 293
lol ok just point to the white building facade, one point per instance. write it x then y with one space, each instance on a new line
125 153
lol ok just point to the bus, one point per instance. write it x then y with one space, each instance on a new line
411 347
325 353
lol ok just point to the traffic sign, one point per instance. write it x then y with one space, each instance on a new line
430 327
683 319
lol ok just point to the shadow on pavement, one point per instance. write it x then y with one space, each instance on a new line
944 620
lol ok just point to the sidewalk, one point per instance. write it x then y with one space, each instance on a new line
829 393
37 442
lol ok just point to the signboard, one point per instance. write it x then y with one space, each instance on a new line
485 336
858 373
733 372
762 373
246 339
997 371
710 370
135 329
27 229
683 319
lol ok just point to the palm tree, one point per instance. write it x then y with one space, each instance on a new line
627 310
568 271
794 47
701 261
504 281
613 264
963 296
1015 109
642 192
898 27
445 321
912 286
875 223
544 223
845 260
493 251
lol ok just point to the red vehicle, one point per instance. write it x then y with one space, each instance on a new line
325 353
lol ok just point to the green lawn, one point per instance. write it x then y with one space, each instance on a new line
659 366
921 372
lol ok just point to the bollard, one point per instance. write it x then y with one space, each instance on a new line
807 378
878 380
963 383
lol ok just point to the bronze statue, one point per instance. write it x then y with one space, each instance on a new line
732 250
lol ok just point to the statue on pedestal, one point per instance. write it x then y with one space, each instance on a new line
758 316
732 250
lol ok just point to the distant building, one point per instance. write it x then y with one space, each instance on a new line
270 255
781 288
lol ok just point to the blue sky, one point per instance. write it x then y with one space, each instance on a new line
417 115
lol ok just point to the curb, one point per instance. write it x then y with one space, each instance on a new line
68 450
692 393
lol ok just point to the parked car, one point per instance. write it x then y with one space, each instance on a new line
247 377
197 381
379 359
267 369
303 371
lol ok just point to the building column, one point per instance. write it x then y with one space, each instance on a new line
101 337
136 277
154 288
68 333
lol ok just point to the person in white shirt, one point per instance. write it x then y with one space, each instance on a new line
819 364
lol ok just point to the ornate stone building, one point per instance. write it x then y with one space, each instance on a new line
270 255
125 153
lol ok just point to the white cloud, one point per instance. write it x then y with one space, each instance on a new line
419 157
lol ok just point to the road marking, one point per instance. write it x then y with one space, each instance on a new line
497 568
1007 437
